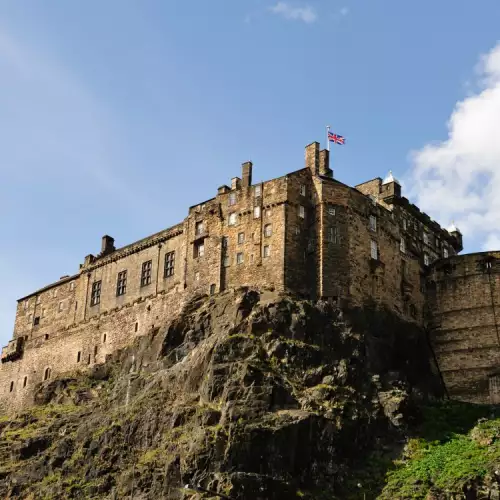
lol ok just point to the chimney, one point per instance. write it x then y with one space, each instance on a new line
246 174
235 183
107 245
312 157
324 164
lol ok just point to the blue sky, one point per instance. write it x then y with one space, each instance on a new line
116 116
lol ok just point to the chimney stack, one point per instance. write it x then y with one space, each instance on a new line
312 157
107 245
246 174
324 164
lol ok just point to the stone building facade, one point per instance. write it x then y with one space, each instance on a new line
304 232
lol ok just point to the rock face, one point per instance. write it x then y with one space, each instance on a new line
246 395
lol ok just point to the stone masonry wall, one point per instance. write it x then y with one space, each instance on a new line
464 315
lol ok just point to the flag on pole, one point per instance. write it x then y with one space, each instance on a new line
335 138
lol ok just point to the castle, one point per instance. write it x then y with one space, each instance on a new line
304 232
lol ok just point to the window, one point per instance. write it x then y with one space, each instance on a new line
46 374
302 189
256 212
88 360
79 356
404 224
71 286
226 262
241 238
36 321
121 283
373 223
297 230
257 191
232 199
426 259
268 230
232 219
44 312
239 258
445 253
331 210
54 293
197 276
212 289
225 241
11 386
60 307
30 318
95 298
402 245
404 268
302 212
146 273
96 350
104 336
38 299
333 235
25 381
199 228
46 336
266 251
374 249
136 327
169 264
199 250
426 238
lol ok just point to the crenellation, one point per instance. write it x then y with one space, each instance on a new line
304 232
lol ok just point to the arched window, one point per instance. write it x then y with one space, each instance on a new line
46 374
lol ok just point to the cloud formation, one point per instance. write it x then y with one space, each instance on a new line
459 178
305 14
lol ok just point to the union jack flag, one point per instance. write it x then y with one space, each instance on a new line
335 138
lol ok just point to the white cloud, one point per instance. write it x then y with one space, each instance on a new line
306 14
459 178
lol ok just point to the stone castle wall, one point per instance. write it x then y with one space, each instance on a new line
464 315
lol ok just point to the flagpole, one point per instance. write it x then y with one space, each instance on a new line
327 139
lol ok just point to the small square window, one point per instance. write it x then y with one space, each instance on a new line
199 228
232 199
266 251
257 191
374 249
331 210
302 212
232 219
199 250
426 259
146 273
169 264
302 189
121 283
256 212
268 230
241 238
239 258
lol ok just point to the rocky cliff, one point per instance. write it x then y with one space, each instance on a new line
246 395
